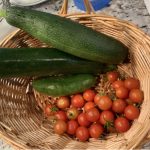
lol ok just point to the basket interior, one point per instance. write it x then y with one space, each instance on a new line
21 120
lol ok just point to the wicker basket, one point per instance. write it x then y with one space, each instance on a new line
22 123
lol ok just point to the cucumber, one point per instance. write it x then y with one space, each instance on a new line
67 35
64 85
44 61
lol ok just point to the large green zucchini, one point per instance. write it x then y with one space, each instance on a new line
44 61
67 35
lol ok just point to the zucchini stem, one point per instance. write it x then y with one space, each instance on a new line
6 5
2 13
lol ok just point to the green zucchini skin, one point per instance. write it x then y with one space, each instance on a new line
67 35
64 85
44 61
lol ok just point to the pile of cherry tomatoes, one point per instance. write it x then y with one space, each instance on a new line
92 115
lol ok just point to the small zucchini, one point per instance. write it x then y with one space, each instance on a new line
64 85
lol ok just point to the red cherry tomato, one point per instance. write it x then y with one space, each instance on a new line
97 98
136 95
112 76
77 101
132 83
96 130
72 113
61 115
131 112
63 102
60 127
82 133
117 84
88 106
72 126
122 124
82 120
119 106
50 110
106 116
122 92
89 95
92 115
104 103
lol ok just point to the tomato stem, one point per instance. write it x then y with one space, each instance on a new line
108 124
53 109
138 105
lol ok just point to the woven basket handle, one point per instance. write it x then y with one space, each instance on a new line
88 6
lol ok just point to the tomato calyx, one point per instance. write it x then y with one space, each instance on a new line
71 115
103 136
50 109
113 96
138 105
119 115
54 109
108 124
52 119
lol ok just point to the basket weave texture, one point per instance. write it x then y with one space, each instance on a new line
22 123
